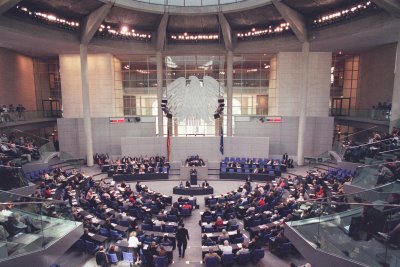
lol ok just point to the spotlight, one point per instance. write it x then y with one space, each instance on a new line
164 101
216 116
221 100
169 115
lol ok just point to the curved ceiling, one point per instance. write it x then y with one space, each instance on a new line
256 15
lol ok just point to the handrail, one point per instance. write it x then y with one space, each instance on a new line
344 137
350 194
377 142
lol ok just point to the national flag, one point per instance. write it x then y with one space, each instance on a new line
221 142
168 145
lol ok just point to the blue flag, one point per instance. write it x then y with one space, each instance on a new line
221 142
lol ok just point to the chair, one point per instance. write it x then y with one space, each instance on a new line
228 259
239 240
91 247
257 255
186 212
104 231
172 218
115 235
243 258
222 240
211 262
233 227
146 227
285 249
157 228
209 243
161 261
112 258
169 229
231 170
208 230
255 223
128 257
124 223
80 245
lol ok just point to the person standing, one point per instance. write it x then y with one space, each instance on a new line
182 236
101 257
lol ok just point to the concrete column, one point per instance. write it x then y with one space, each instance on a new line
229 89
159 93
395 114
87 123
303 103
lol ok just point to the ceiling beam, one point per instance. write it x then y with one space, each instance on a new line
296 20
226 31
93 21
390 6
162 32
7 4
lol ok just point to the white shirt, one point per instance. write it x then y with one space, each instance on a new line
226 249
133 242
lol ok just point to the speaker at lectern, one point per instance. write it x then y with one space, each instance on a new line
193 177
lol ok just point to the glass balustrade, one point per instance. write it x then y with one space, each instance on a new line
362 227
28 224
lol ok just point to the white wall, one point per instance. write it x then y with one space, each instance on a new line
283 136
206 147
104 100
106 136
289 77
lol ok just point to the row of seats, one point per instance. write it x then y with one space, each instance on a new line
92 248
245 160
241 259
36 175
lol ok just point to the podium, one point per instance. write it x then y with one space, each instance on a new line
193 179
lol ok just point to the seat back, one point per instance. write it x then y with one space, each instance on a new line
211 262
161 261
257 255
243 258
127 256
157 228
228 259
112 257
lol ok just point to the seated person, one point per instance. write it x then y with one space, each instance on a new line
186 205
187 184
244 249
86 236
223 236
165 241
208 225
211 255
255 243
219 222
206 241
158 222
205 184
226 248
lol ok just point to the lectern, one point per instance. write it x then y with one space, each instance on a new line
193 178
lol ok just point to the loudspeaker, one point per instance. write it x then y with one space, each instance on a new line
169 115
216 116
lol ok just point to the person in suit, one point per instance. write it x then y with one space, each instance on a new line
101 257
182 236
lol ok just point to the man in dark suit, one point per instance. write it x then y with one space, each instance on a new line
182 236
101 257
